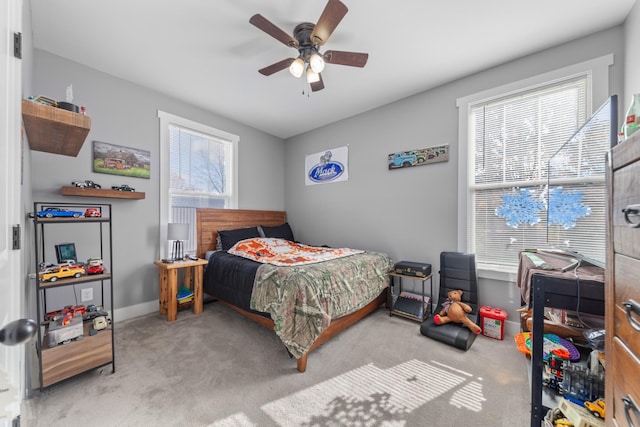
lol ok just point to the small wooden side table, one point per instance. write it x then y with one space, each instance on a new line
193 273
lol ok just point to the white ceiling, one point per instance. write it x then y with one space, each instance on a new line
205 52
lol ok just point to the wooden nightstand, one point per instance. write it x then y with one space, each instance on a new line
193 272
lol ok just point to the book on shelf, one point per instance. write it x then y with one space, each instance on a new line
184 293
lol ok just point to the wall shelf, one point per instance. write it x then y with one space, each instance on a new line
70 190
54 130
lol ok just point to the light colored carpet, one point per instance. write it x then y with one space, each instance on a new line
221 369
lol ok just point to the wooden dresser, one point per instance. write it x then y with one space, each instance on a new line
622 351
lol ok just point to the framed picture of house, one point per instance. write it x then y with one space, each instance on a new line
119 160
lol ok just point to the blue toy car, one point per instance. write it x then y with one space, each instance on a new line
59 212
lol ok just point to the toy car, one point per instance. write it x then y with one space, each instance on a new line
597 408
92 212
47 267
61 273
71 263
95 266
123 187
95 269
58 212
86 183
75 310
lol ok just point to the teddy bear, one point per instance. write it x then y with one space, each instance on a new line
454 310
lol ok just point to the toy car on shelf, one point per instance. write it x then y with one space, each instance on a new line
47 267
59 213
123 187
87 183
72 263
95 266
92 213
62 273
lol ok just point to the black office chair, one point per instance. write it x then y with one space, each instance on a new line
457 271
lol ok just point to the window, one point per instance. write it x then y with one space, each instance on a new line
505 148
198 170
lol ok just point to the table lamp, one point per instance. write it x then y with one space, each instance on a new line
178 233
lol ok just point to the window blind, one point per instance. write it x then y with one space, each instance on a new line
513 138
198 176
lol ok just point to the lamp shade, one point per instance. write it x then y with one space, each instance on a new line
178 231
312 77
297 67
316 62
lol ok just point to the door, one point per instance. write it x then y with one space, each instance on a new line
12 370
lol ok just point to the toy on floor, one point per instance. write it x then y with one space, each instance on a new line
597 408
454 310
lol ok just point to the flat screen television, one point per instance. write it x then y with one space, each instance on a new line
577 205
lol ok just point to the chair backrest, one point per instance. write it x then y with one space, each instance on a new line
458 271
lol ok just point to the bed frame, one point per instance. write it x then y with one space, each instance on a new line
209 221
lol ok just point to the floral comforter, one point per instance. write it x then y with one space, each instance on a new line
302 300
286 253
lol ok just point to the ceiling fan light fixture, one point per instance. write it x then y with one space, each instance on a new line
316 62
308 38
297 67
312 76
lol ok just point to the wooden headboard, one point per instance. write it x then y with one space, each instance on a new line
210 220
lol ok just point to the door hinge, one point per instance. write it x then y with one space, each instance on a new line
16 236
17 45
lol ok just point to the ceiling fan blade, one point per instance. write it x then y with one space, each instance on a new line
268 27
319 85
274 68
353 59
331 16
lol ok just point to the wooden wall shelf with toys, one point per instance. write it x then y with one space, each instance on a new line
54 130
70 190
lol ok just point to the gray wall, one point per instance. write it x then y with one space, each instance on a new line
411 213
632 59
125 114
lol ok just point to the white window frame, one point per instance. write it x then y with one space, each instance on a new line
598 71
167 119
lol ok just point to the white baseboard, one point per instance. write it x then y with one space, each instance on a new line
511 328
131 311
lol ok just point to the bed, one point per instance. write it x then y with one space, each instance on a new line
231 279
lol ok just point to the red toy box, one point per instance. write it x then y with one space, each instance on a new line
492 322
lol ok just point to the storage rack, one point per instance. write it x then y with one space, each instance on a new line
93 350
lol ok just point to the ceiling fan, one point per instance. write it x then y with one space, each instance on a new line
307 39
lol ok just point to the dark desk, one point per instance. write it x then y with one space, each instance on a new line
554 288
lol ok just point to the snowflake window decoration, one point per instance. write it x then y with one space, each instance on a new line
520 208
566 207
